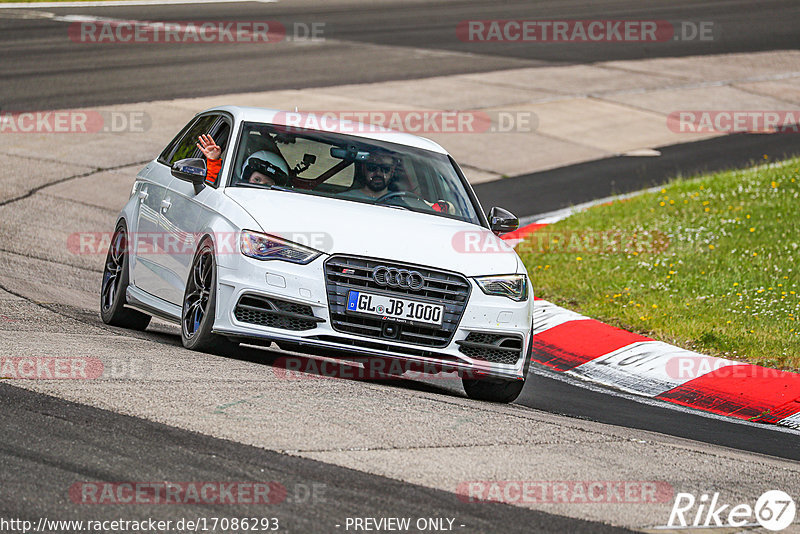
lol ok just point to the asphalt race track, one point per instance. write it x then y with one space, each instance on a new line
378 448
583 182
367 42
131 448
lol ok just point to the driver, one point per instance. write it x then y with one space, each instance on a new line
375 174
380 176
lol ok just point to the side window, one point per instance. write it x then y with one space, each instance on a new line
221 133
165 154
187 147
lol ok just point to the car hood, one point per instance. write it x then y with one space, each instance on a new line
344 227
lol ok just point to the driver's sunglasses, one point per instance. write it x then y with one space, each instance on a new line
376 167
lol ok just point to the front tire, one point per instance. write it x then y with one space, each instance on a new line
493 390
199 304
497 389
115 284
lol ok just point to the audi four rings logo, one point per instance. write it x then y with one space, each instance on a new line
389 276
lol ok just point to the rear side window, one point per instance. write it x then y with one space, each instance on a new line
187 146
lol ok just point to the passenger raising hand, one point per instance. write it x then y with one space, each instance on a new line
209 147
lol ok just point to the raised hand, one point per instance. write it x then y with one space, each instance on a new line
208 147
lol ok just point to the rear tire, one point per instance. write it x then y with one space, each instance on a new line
199 304
115 284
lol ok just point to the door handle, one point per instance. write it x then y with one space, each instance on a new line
165 204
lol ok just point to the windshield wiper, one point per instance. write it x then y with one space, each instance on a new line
281 188
264 186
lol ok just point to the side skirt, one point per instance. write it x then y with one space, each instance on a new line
146 303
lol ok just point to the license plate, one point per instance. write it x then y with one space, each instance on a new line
402 310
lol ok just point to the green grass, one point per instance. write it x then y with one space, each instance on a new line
709 264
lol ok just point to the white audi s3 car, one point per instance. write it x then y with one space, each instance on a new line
341 238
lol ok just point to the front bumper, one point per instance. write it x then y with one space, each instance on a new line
305 286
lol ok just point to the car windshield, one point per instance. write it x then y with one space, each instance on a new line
351 168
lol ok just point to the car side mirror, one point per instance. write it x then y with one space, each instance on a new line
191 170
502 221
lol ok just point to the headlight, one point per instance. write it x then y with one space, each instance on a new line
267 247
513 286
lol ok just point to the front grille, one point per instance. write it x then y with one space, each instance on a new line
275 313
494 348
343 273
